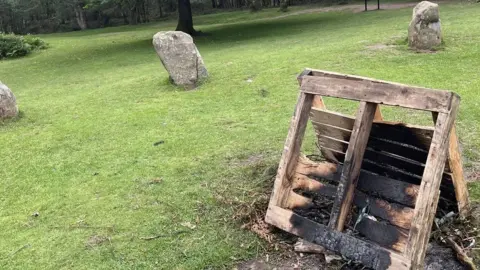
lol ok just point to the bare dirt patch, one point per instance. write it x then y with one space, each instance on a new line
96 240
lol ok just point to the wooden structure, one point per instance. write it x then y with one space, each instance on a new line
397 173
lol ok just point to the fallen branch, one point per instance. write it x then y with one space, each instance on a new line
461 255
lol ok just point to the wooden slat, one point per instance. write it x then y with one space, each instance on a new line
396 214
406 134
390 189
352 165
371 255
383 234
378 92
297 201
428 195
397 161
291 151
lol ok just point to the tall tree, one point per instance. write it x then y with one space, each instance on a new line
185 20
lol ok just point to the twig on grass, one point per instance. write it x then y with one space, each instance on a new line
461 255
16 251
163 235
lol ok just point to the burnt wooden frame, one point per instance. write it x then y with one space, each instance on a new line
443 105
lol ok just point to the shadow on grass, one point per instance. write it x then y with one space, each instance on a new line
278 28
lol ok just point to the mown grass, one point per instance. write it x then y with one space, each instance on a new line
95 102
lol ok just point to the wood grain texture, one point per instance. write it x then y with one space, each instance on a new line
401 133
379 92
456 167
455 163
371 255
429 192
390 189
291 151
352 165
297 201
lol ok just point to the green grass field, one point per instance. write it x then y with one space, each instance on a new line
95 102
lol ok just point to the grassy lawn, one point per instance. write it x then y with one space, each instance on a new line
93 105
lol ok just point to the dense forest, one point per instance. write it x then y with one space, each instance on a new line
45 16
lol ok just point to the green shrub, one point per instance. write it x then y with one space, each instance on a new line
16 46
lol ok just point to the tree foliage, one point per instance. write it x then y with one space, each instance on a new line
44 16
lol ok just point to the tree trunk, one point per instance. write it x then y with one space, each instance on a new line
160 11
81 17
214 3
185 20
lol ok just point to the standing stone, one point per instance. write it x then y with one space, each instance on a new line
180 57
8 103
425 30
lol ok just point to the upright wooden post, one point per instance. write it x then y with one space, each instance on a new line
454 157
352 165
429 192
291 151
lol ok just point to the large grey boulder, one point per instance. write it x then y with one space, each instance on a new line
180 57
425 30
8 103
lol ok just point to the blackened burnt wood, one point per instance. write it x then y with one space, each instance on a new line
370 254
394 213
352 165
387 188
406 140
378 92
291 151
429 192
383 234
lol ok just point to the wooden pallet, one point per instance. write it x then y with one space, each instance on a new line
400 172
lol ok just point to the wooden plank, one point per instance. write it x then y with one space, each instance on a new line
383 234
317 100
304 73
394 160
412 153
405 134
297 201
332 118
382 163
291 151
428 195
371 255
396 214
373 91
456 167
352 165
454 158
